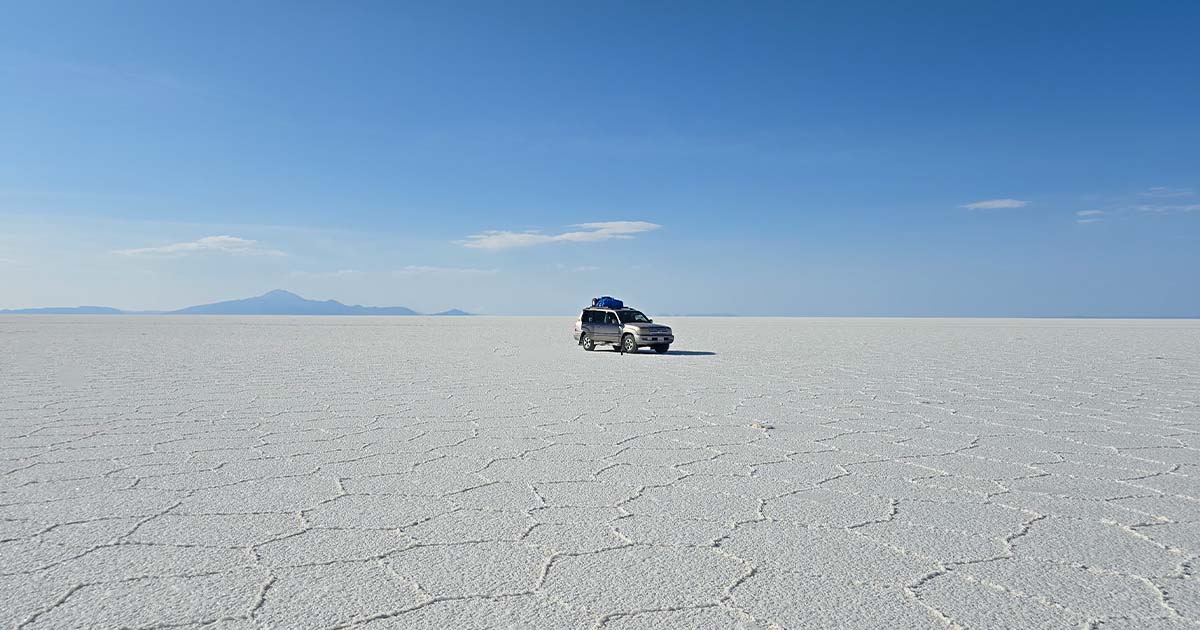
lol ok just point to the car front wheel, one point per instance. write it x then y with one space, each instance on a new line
628 344
661 348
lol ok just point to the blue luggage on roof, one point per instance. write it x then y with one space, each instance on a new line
607 302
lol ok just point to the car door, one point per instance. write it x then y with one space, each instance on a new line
609 330
593 324
588 320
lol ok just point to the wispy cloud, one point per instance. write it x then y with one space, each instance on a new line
340 273
427 270
995 204
1168 208
587 232
225 244
1164 192
108 77
1090 216
577 269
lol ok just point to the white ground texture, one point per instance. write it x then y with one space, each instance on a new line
267 472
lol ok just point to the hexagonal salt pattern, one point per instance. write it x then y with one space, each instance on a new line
264 472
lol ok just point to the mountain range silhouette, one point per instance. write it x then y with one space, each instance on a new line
276 302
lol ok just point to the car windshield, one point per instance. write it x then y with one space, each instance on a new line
632 316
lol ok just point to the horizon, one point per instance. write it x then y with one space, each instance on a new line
455 310
964 161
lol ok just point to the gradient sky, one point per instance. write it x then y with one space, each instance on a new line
956 158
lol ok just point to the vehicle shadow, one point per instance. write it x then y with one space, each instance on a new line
688 353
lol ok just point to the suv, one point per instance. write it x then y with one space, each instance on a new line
626 329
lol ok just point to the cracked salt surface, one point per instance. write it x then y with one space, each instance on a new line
266 472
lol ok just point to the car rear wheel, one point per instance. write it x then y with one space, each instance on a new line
661 348
628 344
587 342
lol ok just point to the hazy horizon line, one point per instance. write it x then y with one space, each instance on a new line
16 312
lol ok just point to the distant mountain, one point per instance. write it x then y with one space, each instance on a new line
280 302
63 310
277 302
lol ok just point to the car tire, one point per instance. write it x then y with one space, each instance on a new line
662 348
628 344
587 342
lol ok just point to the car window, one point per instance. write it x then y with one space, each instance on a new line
586 317
633 316
609 318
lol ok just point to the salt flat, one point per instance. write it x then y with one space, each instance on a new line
485 472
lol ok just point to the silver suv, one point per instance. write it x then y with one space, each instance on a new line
626 329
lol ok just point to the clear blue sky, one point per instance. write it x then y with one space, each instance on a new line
953 158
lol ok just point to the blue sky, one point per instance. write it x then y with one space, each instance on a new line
978 158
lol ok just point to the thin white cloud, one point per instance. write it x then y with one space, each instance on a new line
577 269
1164 192
1090 213
340 273
590 232
126 79
995 204
12 263
427 270
225 243
1167 209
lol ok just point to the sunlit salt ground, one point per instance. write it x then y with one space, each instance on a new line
485 472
